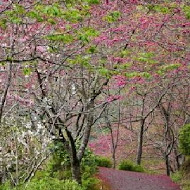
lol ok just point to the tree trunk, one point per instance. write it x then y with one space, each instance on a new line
140 143
114 159
167 165
176 158
76 172
75 162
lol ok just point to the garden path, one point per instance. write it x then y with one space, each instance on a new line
127 180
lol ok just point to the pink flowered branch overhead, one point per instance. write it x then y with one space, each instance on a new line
134 43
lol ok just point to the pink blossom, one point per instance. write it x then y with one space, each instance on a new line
100 39
120 81
24 39
41 49
113 98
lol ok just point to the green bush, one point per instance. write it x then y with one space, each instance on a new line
56 173
177 176
6 186
46 184
53 184
88 169
184 140
90 183
103 162
130 166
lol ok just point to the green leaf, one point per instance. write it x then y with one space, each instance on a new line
146 75
52 10
138 74
125 66
125 53
27 71
92 49
159 8
51 21
86 33
93 2
166 68
131 74
186 10
66 38
3 23
35 15
16 20
105 72
73 15
19 9
113 16
147 57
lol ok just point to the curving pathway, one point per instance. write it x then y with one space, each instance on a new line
126 180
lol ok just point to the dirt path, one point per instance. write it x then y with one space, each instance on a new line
125 180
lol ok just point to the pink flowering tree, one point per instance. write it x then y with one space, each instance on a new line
58 58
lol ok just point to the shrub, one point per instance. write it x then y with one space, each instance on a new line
88 164
103 162
52 183
90 183
56 174
184 140
88 169
130 166
46 184
177 176
6 186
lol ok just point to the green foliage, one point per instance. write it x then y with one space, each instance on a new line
88 164
146 57
15 14
166 68
90 183
122 66
53 183
34 15
56 174
27 71
124 53
66 38
103 162
89 2
59 166
177 176
60 161
105 72
86 33
184 139
138 74
6 186
159 8
186 10
91 49
130 166
182 177
73 15
53 10
47 183
113 16
3 23
93 2
81 60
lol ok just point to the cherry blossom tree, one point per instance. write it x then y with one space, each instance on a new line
58 58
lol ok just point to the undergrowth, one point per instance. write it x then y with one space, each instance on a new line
130 166
56 174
